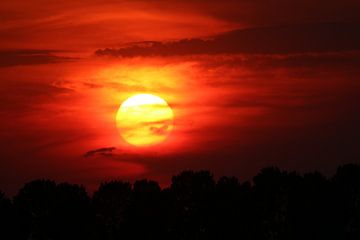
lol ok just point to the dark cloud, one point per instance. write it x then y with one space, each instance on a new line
24 97
101 151
10 58
272 12
272 40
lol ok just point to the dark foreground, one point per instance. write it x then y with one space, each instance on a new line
278 205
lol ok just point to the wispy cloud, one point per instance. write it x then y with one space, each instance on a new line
16 57
100 151
271 40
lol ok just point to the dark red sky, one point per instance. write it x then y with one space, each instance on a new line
252 84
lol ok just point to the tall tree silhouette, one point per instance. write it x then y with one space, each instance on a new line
272 196
310 208
54 211
193 196
233 207
36 205
6 217
73 214
347 198
146 211
111 202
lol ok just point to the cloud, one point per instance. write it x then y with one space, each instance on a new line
275 12
10 58
100 151
270 40
88 23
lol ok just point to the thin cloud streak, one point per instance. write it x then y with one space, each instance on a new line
275 40
18 57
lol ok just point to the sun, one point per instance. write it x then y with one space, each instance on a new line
144 119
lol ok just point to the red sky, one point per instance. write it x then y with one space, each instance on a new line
251 83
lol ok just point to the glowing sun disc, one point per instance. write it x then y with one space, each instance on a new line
144 119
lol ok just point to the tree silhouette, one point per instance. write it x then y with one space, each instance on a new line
146 211
275 194
6 217
50 211
73 214
347 199
193 198
310 208
111 202
232 208
276 205
36 206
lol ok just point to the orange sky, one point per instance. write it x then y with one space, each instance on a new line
250 84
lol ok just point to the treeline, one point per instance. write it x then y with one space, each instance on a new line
276 205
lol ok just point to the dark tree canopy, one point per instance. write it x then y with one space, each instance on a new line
276 205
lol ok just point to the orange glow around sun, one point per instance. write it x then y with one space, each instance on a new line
144 119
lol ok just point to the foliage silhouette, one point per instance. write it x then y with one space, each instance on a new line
111 202
46 210
276 205
6 216
146 211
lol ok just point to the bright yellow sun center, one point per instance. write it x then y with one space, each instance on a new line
144 119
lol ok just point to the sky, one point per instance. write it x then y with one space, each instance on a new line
251 84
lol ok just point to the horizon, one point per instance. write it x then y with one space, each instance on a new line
217 179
